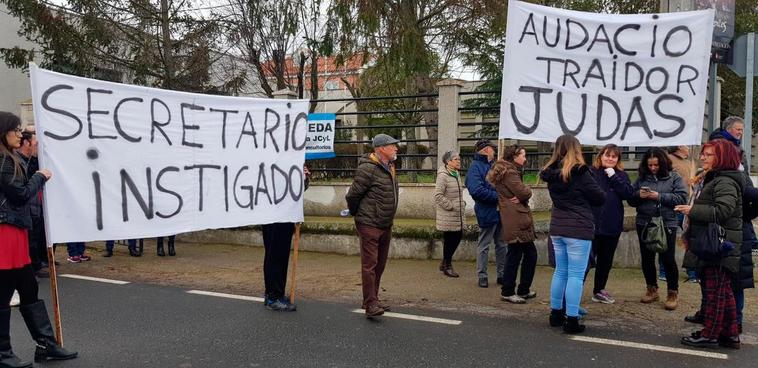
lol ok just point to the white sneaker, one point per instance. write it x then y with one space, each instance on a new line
15 299
515 299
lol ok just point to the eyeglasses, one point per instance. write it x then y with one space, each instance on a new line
703 154
18 130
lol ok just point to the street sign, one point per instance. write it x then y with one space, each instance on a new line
739 64
723 27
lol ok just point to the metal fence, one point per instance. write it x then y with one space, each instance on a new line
470 123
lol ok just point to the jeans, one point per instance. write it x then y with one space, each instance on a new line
739 298
571 256
526 255
75 249
669 262
486 236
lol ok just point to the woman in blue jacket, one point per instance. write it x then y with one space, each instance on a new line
609 218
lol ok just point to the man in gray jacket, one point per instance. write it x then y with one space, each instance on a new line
372 200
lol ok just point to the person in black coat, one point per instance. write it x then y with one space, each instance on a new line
744 278
572 227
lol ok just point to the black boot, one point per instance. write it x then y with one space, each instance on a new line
557 317
7 358
38 323
134 252
171 250
572 326
161 252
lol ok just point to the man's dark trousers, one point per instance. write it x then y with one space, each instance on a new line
38 243
277 239
375 246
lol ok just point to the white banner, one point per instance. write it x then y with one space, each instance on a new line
138 162
632 80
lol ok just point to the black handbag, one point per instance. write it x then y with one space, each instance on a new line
655 234
709 243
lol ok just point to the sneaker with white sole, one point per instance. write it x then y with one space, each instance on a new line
74 259
515 299
529 295
603 297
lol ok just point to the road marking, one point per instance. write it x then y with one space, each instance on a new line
416 318
88 278
225 295
636 345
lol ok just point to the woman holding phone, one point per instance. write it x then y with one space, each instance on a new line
657 190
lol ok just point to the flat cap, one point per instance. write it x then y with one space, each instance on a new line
482 143
381 140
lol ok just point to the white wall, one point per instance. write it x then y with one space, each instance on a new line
15 86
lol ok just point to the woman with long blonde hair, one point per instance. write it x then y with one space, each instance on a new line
572 227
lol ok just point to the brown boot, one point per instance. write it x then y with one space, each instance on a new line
651 295
671 300
443 265
449 272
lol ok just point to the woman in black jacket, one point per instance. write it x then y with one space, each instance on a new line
572 227
16 189
657 190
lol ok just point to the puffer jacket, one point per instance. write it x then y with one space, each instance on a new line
745 278
484 194
15 193
672 191
571 216
516 218
722 194
450 207
372 198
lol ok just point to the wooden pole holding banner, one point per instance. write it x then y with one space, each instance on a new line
54 291
293 278
500 148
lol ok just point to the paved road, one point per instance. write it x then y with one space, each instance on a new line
138 325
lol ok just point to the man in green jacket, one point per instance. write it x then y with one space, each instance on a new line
372 200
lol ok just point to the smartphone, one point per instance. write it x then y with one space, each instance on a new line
645 189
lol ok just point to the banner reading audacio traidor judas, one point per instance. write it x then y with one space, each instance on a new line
137 162
632 80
